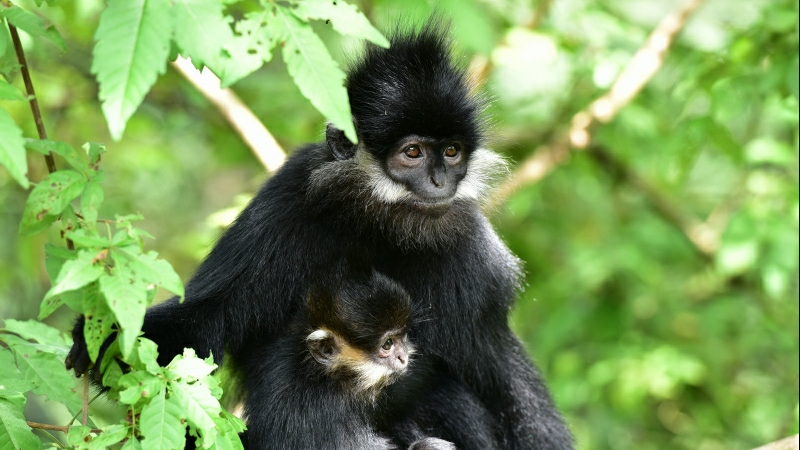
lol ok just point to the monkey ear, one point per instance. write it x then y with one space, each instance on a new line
340 146
322 345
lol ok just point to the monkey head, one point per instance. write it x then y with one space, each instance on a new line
359 332
419 168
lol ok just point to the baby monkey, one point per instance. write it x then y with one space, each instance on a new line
316 387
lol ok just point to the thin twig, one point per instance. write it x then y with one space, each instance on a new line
85 408
254 133
63 429
26 76
55 440
75 417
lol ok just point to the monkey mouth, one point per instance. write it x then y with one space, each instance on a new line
431 208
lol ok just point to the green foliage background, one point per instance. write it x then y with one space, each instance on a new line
646 341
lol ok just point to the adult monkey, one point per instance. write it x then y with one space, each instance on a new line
406 201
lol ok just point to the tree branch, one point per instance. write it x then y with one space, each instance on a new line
254 133
641 69
790 443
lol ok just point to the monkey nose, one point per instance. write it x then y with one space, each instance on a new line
438 181
402 359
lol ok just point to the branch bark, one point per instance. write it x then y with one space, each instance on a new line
254 133
790 443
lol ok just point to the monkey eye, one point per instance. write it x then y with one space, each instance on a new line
413 151
388 344
451 151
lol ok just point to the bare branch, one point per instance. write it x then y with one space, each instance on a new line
254 133
790 443
641 69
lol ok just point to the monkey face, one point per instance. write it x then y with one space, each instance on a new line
394 353
430 170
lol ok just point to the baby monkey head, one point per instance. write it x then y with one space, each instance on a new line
359 332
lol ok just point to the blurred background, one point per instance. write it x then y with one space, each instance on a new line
661 264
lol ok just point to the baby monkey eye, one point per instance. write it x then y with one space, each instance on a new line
413 151
451 151
388 344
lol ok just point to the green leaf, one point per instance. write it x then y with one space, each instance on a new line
62 149
140 384
99 320
91 200
146 357
126 297
49 198
37 331
7 91
314 71
133 41
11 381
199 406
151 270
346 19
77 273
46 370
161 424
201 31
55 257
94 150
33 25
14 432
250 47
12 149
110 435
189 367
83 237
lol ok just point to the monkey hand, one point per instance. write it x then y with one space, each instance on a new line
432 444
78 357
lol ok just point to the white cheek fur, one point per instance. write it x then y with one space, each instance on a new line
485 167
382 187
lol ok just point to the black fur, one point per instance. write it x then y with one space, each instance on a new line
292 402
413 88
458 273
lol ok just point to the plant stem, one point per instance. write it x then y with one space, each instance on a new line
63 429
55 439
85 419
79 412
37 114
26 76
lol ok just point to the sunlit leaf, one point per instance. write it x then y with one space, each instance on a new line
32 25
49 198
7 91
315 72
162 424
132 47
37 331
346 19
12 149
14 431
46 370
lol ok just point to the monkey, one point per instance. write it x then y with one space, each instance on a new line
317 386
407 199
